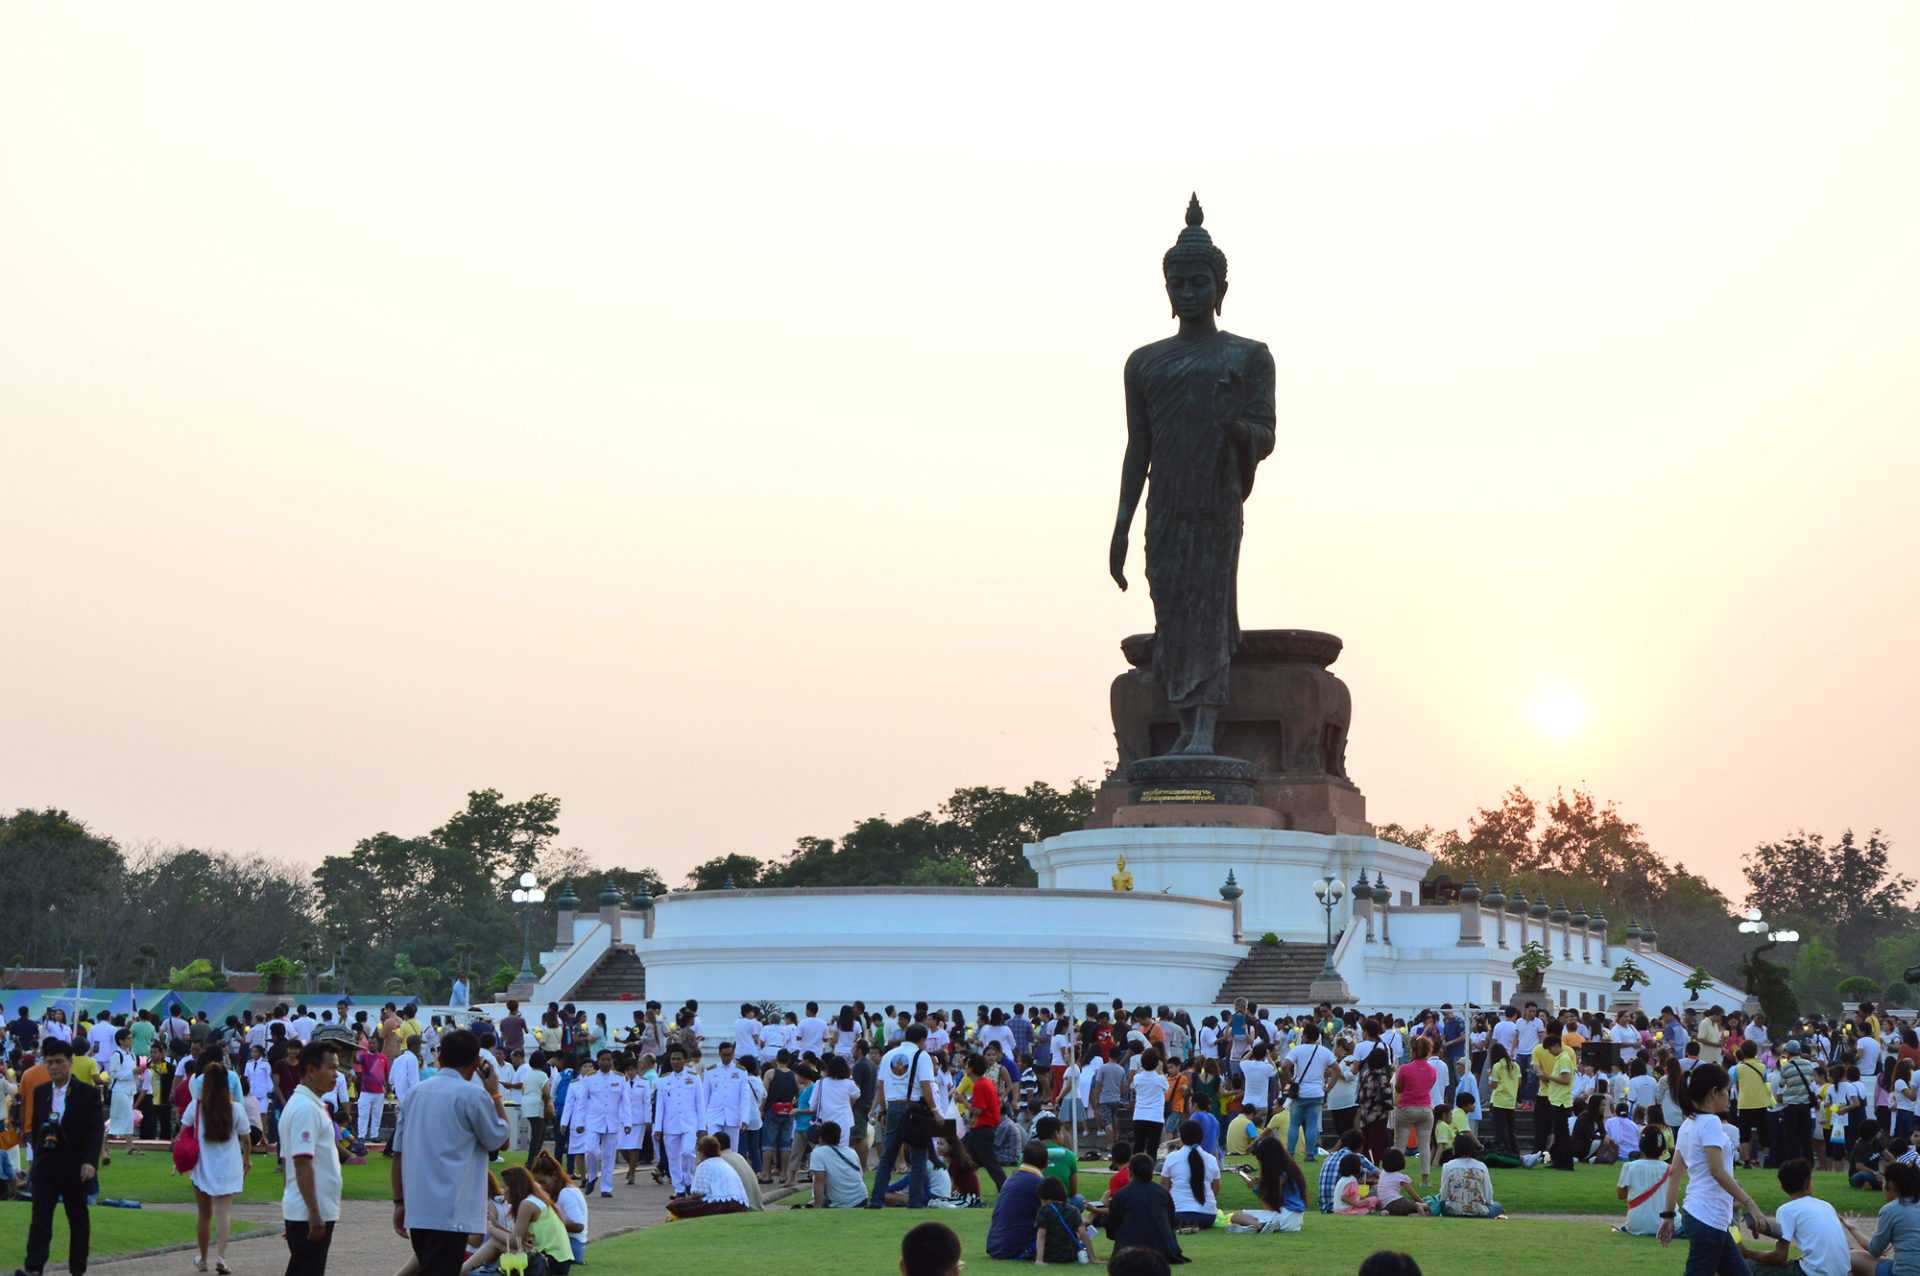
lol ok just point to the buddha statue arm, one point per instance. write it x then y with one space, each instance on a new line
1253 423
1133 474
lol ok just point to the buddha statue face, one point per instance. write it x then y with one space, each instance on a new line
1192 288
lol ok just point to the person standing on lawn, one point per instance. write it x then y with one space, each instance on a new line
446 1132
66 1137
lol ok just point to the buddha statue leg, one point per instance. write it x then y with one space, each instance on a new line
1199 737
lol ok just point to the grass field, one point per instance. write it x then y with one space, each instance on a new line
1589 1189
817 1243
114 1231
150 1178
832 1244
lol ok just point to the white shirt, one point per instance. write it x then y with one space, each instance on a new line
1643 1091
100 1036
1706 1200
1637 1176
302 1028
1177 1169
1756 1033
1258 1074
60 1101
1209 1043
1506 1035
715 1180
403 1074
813 1034
1310 1068
1149 1096
1000 1033
1528 1034
306 1130
895 1085
1441 1078
1813 1225
533 1091
746 1038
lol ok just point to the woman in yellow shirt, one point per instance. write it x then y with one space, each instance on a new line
1503 1093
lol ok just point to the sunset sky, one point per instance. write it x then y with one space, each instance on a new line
716 422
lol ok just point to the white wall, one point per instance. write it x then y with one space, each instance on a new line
1275 868
944 946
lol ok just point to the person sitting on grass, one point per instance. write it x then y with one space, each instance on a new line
1331 1169
1466 1189
837 1181
1350 1194
1899 1222
1865 1157
568 1199
1059 1233
1117 1178
940 1180
1141 1214
1641 1182
1394 1187
1010 1231
1280 1187
533 1227
715 1189
1193 1178
1241 1131
1814 1226
931 1249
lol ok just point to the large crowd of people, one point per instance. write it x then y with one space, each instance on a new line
500 1129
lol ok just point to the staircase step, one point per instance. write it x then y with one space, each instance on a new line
1274 974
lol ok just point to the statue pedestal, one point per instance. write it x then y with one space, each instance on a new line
1282 739
1627 1001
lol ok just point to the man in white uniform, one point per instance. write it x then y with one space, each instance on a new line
680 1104
726 1099
604 1096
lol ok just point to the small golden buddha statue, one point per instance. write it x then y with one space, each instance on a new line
1122 879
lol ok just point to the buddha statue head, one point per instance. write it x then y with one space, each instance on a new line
1195 270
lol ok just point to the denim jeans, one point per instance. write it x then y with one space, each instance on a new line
1305 1122
1711 1251
917 1185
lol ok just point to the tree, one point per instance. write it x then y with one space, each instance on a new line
571 864
992 825
740 870
47 916
1585 839
1843 886
505 838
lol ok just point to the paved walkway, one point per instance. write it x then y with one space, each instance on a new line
364 1243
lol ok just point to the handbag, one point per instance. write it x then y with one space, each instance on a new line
186 1150
916 1123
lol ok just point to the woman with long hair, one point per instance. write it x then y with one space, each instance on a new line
1192 1177
1281 1187
534 1227
568 1199
225 1157
1703 1155
1503 1094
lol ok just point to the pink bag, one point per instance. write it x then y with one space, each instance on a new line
186 1147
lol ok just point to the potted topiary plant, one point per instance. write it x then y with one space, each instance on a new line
1698 982
1531 965
1629 974
276 970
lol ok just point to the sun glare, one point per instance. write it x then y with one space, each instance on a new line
1559 712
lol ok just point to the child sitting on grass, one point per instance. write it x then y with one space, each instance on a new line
1395 1186
1350 1191
1059 1233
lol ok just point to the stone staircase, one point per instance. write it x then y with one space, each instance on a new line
618 975
1274 975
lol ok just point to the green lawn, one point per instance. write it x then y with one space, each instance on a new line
114 1231
819 1243
150 1178
1588 1189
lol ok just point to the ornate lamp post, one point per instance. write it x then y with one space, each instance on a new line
1329 987
1329 891
527 896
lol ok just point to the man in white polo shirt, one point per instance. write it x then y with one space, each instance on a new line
310 1206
